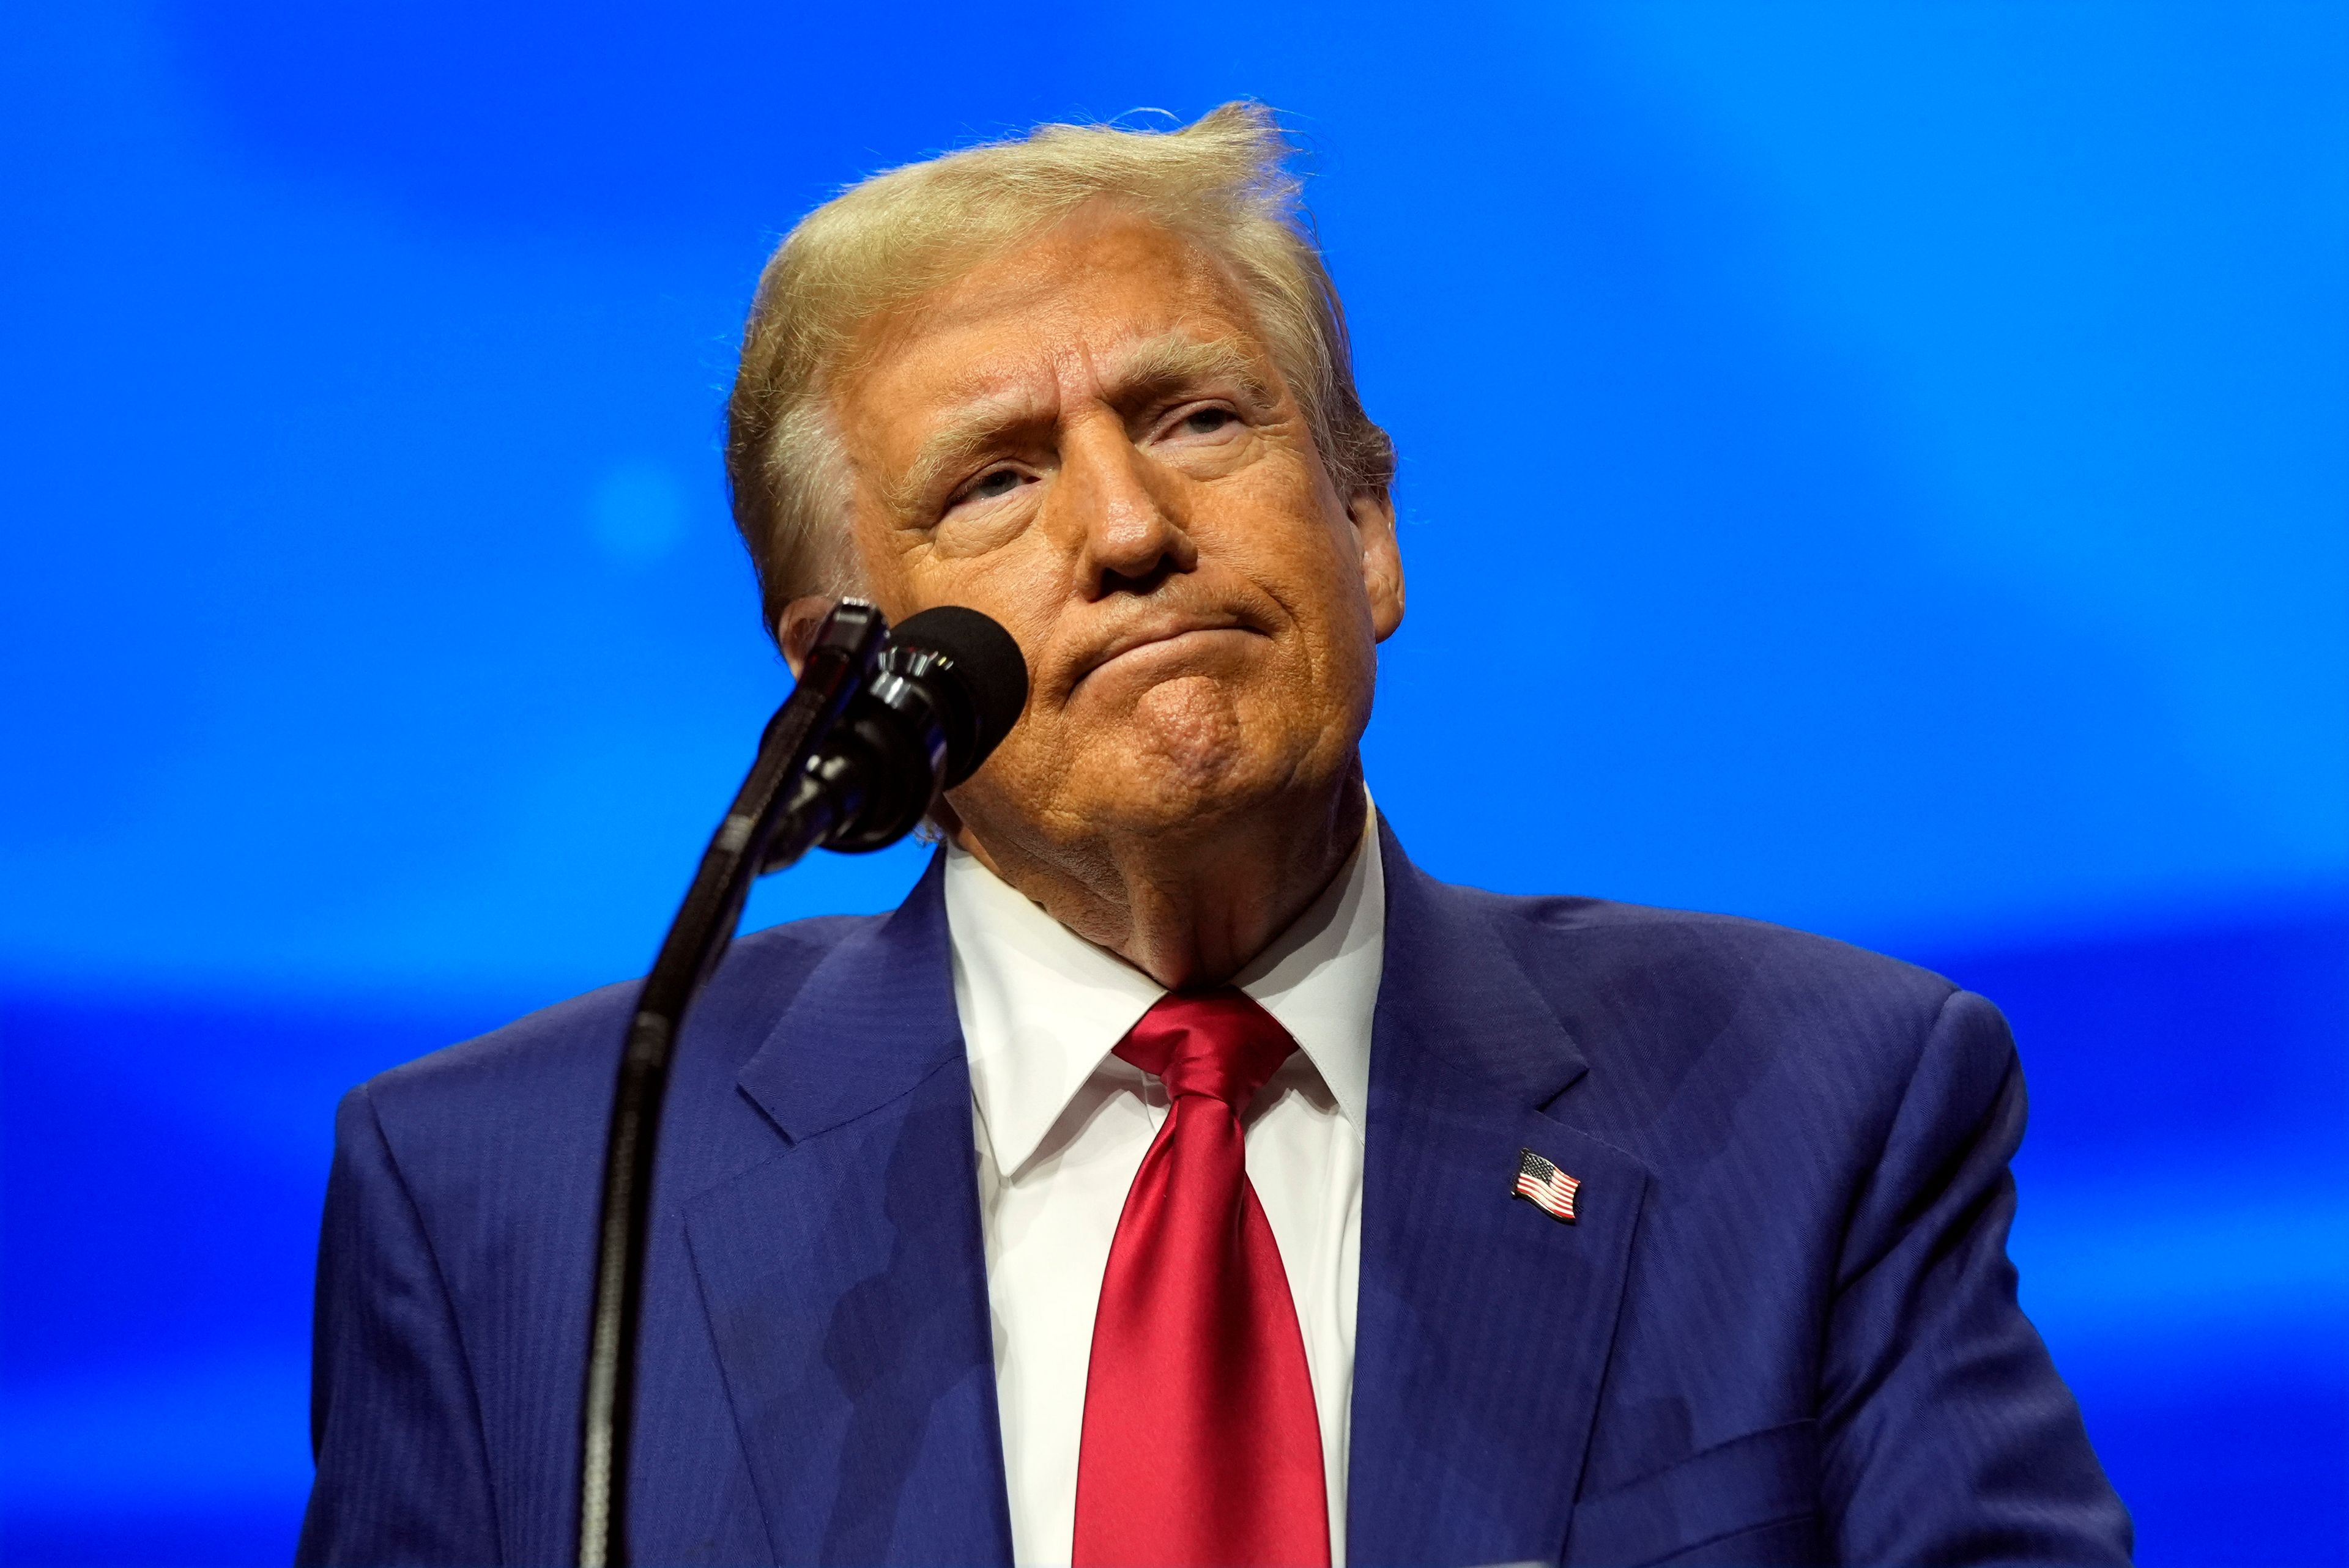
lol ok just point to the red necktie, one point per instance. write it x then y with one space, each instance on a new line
1201 1449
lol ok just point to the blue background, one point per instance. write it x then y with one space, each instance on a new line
1899 452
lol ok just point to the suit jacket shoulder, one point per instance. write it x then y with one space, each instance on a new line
571 1047
454 1267
1783 1326
1662 988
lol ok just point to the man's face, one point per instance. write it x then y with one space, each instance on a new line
1087 439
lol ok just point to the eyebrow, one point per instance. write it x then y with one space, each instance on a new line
1153 367
1171 360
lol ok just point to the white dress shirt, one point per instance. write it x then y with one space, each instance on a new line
1063 1126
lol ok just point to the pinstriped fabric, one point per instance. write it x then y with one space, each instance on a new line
1785 1328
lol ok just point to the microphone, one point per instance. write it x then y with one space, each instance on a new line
947 687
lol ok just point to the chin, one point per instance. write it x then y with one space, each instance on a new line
1143 785
1185 757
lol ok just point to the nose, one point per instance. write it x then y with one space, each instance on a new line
1121 511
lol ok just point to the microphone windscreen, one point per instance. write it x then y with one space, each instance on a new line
986 666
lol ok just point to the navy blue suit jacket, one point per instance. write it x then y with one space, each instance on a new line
1784 1329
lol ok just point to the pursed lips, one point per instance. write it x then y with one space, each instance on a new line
1142 638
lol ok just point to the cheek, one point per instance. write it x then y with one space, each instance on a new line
1301 549
1019 585
1289 509
972 531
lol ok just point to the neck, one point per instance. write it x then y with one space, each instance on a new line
1188 905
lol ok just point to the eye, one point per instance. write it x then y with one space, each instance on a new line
992 485
1206 421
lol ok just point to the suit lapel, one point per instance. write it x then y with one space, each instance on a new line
844 1276
1484 1326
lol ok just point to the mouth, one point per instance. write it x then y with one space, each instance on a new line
1169 641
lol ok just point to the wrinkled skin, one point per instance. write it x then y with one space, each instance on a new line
1086 439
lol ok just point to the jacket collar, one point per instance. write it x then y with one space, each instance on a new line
1484 1326
875 1017
843 1277
1449 966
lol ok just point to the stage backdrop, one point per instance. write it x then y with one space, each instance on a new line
1879 468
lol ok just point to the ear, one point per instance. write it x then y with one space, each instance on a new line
1373 512
795 632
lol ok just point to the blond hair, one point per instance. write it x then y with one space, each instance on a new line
1222 183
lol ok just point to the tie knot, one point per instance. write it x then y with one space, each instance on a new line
1219 1044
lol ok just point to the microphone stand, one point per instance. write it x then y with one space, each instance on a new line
773 820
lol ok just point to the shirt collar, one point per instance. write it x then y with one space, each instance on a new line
1042 1007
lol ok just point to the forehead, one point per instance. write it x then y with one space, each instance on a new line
1051 318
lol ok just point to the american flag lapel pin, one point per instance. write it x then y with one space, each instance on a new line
1546 1187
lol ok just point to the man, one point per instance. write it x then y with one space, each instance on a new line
1180 1175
